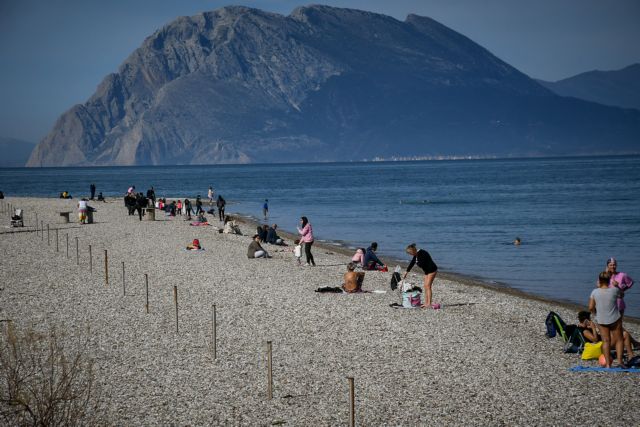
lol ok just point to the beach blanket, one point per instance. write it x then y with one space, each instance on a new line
579 368
193 250
198 224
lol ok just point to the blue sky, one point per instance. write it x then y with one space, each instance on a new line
53 53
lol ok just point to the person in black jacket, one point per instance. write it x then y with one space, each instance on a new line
425 262
141 203
371 260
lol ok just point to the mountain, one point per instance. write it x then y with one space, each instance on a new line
241 85
620 88
14 152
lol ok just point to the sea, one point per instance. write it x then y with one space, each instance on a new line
571 214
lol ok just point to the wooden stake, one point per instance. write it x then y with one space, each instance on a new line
57 240
175 298
77 253
146 286
352 403
106 268
214 332
269 372
90 261
124 288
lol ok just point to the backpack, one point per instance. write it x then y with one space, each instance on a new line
555 324
395 279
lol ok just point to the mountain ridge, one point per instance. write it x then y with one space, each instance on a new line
618 88
239 85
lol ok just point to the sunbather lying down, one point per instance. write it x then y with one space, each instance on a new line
195 246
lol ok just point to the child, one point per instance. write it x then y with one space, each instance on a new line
297 251
179 207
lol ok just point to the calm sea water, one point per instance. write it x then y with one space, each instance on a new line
571 213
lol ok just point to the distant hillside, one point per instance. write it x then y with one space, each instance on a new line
14 152
620 88
240 85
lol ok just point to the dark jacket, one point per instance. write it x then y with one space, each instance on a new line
253 248
272 236
371 259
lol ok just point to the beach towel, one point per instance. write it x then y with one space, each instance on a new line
599 369
199 224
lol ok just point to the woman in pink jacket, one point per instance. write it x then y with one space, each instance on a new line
306 237
619 280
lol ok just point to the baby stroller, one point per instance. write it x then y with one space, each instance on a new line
16 219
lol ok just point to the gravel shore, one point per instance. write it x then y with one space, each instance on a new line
481 360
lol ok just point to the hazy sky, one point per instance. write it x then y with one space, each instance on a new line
53 53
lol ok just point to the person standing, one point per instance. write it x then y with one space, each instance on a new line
92 188
210 195
602 302
199 205
151 195
187 208
306 236
220 204
424 261
620 280
265 209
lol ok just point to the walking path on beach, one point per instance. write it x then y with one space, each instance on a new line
481 360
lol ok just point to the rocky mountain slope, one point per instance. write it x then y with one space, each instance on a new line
241 85
620 88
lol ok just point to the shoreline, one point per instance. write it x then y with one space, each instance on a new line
328 245
444 274
482 359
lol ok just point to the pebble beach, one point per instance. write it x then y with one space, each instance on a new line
483 359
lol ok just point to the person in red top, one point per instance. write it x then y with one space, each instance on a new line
424 261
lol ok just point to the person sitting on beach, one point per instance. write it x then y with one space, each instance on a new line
65 195
272 236
230 226
371 261
602 303
358 257
352 280
430 269
200 219
255 250
194 246
591 334
261 231
101 197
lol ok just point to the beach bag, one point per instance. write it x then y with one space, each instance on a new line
591 350
412 298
